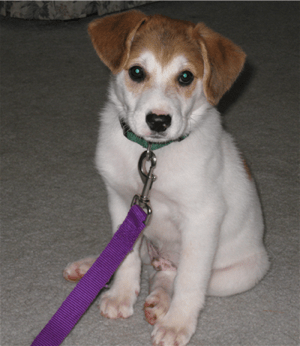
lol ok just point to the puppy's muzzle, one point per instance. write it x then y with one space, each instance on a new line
158 122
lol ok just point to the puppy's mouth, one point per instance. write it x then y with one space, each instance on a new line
153 137
156 137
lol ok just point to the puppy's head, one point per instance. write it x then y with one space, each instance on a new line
165 70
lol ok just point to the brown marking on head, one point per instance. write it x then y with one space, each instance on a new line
121 39
166 39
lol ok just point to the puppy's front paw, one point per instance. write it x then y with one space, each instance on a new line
173 330
157 305
76 270
118 303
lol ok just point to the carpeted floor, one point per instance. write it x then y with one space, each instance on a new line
54 207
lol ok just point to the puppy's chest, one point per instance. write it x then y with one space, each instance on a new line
122 173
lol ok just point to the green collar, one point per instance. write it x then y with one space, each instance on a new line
141 141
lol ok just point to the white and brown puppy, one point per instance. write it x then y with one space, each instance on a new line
205 236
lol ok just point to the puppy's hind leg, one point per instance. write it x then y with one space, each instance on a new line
161 289
239 277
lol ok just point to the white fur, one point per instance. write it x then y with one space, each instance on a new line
206 219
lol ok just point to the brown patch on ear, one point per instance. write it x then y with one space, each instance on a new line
112 36
223 62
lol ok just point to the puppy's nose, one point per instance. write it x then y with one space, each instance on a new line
158 122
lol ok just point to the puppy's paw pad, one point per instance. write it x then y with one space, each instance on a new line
156 306
116 306
76 270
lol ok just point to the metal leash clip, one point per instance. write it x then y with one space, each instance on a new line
147 178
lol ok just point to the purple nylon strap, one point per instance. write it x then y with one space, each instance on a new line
93 281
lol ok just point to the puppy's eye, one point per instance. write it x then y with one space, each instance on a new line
137 74
185 78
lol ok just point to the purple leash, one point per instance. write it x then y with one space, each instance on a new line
93 281
87 289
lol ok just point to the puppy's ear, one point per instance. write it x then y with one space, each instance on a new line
112 37
223 62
